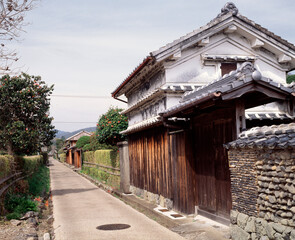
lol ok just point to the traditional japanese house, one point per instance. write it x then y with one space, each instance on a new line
189 97
73 154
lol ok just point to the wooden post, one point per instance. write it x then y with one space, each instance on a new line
240 116
70 157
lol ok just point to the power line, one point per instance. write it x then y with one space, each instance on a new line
79 96
74 122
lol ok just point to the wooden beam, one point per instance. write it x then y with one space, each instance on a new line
240 116
204 42
257 43
231 29
283 58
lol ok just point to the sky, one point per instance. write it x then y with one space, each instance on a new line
87 48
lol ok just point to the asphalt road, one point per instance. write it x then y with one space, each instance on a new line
79 207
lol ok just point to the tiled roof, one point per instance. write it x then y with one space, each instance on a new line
142 125
235 79
229 10
271 116
174 88
276 136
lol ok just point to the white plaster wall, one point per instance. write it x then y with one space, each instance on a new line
172 100
147 112
149 86
270 71
190 68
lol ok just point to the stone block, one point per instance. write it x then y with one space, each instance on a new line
169 203
270 231
292 235
162 201
250 226
279 227
260 225
242 220
278 236
233 216
272 199
46 236
238 233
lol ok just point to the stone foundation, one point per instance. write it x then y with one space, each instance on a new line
244 227
152 197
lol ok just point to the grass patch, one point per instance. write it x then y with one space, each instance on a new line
19 203
39 182
101 176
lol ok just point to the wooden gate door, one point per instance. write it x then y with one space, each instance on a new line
212 177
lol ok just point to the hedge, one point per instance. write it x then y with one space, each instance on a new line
107 158
6 165
88 156
31 163
62 157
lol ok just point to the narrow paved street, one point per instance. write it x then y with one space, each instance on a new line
79 207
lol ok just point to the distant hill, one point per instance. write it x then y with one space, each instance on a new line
66 135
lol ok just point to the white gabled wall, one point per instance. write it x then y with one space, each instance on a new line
188 67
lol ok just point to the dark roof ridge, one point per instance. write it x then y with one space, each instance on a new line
229 10
276 136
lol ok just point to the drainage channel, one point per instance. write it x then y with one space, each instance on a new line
112 227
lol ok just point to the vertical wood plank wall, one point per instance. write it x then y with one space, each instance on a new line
189 167
150 166
159 164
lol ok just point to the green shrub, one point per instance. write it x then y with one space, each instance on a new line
62 157
82 141
39 182
60 151
110 125
107 157
13 215
290 78
88 156
31 163
18 204
6 165
86 147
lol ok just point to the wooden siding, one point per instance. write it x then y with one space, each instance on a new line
182 167
211 175
189 167
150 166
159 163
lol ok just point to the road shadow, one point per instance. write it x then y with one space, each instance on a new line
62 192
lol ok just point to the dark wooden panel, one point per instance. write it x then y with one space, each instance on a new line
226 68
159 164
212 178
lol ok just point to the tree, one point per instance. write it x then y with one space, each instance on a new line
25 126
110 125
12 13
83 141
59 143
290 78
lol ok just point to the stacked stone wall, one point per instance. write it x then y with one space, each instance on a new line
263 205
243 181
276 186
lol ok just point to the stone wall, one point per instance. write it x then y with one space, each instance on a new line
243 181
244 227
152 197
263 190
